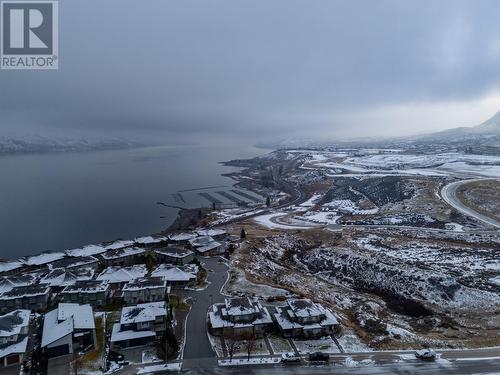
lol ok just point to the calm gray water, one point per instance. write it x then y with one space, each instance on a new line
67 200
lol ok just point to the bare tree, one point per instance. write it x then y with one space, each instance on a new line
250 345
230 342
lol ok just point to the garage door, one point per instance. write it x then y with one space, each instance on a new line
57 351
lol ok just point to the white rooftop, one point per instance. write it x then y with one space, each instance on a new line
149 240
144 312
172 273
54 330
122 252
62 321
9 266
41 259
211 232
119 244
86 251
83 315
123 274
12 323
182 236
18 347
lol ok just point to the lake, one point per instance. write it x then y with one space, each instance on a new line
66 200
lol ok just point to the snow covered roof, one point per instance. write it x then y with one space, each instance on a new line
182 237
70 262
146 240
12 323
209 246
144 312
26 291
9 266
240 306
41 259
220 317
122 252
201 241
211 232
83 315
170 272
303 307
86 251
53 330
64 277
87 286
19 348
64 320
119 244
174 252
145 283
9 282
123 274
118 335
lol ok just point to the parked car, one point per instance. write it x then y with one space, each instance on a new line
426 354
319 357
290 357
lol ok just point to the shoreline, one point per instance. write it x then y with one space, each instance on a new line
185 219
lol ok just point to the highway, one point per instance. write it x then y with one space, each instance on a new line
448 193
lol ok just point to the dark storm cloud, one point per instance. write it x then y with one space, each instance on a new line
181 69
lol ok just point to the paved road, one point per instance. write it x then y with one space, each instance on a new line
448 193
197 343
490 366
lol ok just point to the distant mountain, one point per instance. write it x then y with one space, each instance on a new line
487 131
38 144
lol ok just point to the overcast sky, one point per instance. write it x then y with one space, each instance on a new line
189 70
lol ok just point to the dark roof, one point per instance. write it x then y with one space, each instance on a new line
28 290
86 286
145 282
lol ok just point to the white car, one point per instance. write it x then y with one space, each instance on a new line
290 357
426 354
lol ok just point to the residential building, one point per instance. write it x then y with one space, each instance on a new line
121 275
182 238
10 282
61 277
151 241
304 318
30 297
207 246
10 267
174 255
239 318
177 276
67 329
14 330
123 257
139 325
92 292
215 233
146 289
71 262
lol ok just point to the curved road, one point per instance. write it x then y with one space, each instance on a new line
197 346
448 193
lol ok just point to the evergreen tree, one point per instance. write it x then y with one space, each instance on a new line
268 201
243 234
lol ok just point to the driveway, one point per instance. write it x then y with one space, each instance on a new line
198 347
60 365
